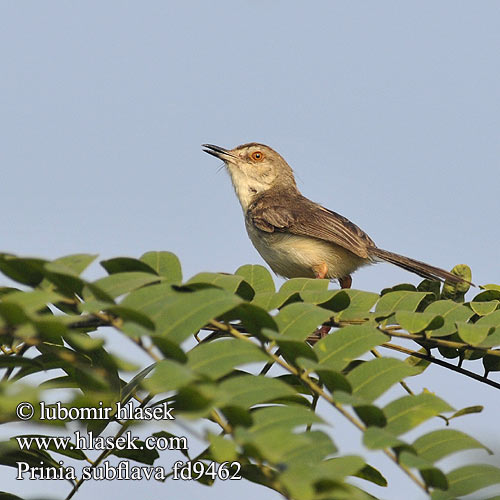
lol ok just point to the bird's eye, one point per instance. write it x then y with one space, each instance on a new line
257 156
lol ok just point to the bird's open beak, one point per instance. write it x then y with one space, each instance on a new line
218 152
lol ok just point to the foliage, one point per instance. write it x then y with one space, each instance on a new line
257 369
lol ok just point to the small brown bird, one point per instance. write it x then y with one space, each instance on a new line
294 235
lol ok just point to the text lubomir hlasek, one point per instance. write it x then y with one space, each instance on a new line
121 412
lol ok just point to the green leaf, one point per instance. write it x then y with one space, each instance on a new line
371 379
129 388
52 360
369 473
167 376
258 277
126 264
123 365
265 300
484 308
135 330
13 314
297 321
282 447
408 287
376 438
492 319
83 342
434 287
6 290
492 292
121 283
439 444
416 322
128 314
179 443
338 468
166 265
451 312
471 333
76 263
169 349
333 380
291 289
11 455
50 329
253 318
63 273
374 413
467 411
492 286
360 304
336 350
27 271
432 476
491 363
13 361
218 358
151 299
468 479
418 363
300 481
32 301
177 315
9 496
222 449
272 418
335 300
195 401
237 416
370 415
249 390
228 282
409 411
63 277
398 301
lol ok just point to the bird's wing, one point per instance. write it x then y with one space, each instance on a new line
300 216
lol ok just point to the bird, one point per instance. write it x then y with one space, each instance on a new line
297 237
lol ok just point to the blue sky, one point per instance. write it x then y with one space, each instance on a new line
388 112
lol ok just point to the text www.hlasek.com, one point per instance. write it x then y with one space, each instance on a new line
101 443
123 470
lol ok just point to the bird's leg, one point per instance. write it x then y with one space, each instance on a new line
345 282
320 271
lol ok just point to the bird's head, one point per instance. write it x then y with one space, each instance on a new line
254 168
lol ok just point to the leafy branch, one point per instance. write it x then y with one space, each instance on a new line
213 341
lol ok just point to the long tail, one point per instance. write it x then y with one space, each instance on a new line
415 266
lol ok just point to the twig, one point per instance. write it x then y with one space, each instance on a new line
436 342
105 453
443 363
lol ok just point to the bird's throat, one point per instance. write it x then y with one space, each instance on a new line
246 188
